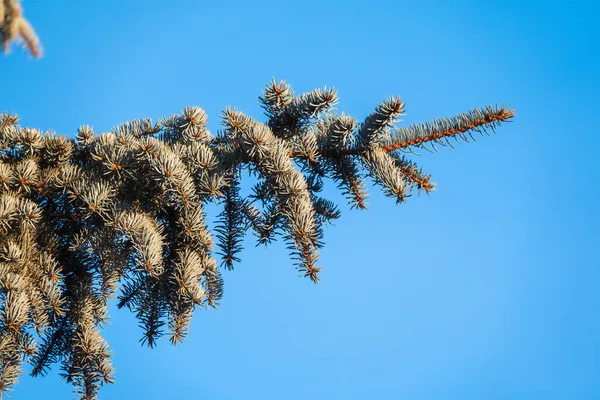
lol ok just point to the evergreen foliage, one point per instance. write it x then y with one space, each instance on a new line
121 214
14 27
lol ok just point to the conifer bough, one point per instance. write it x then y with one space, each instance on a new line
121 214
14 27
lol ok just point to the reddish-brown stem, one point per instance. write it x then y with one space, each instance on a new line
501 115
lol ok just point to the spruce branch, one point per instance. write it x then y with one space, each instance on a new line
121 214
384 116
13 26
480 120
231 227
414 174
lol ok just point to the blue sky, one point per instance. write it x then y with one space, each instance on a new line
486 289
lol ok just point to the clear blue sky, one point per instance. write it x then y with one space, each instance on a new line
487 289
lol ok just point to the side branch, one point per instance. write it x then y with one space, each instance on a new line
478 120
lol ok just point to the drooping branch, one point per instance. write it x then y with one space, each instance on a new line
414 174
13 26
